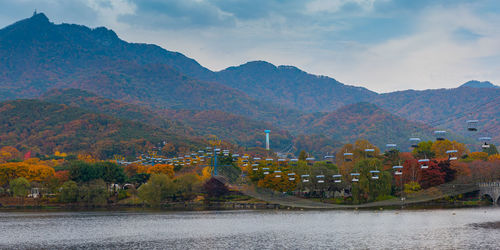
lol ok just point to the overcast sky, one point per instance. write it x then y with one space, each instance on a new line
384 45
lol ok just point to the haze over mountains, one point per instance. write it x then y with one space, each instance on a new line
166 90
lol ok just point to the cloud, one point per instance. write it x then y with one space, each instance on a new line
433 56
334 6
58 10
177 14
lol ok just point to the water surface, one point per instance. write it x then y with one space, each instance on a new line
443 229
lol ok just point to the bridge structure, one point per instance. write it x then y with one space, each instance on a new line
491 190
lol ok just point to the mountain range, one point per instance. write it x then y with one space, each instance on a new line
95 71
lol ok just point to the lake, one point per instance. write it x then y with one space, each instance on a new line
269 229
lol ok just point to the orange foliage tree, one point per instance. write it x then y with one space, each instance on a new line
32 170
9 153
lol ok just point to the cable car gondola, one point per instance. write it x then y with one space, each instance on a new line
472 125
337 178
305 178
485 139
321 178
452 154
369 152
329 159
375 174
398 170
309 161
424 163
348 156
440 134
269 161
355 177
414 142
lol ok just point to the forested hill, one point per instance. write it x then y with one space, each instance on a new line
175 94
97 104
448 108
292 87
479 84
232 128
45 127
37 38
366 121
37 55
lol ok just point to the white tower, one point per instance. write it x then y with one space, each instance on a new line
267 138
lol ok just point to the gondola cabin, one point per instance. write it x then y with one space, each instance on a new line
424 163
374 174
452 155
414 141
355 177
472 125
440 135
369 152
485 141
398 170
348 156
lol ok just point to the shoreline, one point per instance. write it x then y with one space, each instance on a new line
220 206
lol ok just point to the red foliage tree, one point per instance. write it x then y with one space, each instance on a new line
432 176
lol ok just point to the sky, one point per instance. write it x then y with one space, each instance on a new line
383 45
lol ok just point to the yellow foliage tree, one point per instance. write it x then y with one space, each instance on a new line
39 173
206 173
281 184
478 156
87 158
32 161
12 170
57 153
162 169
495 157
440 148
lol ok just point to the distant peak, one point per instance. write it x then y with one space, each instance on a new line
106 33
259 64
39 17
254 66
479 84
289 68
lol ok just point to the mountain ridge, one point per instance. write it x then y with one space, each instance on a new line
479 84
256 94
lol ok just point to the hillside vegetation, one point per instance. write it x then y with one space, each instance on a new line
46 127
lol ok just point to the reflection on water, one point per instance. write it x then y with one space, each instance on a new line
252 229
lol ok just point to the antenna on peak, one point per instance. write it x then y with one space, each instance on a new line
34 13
